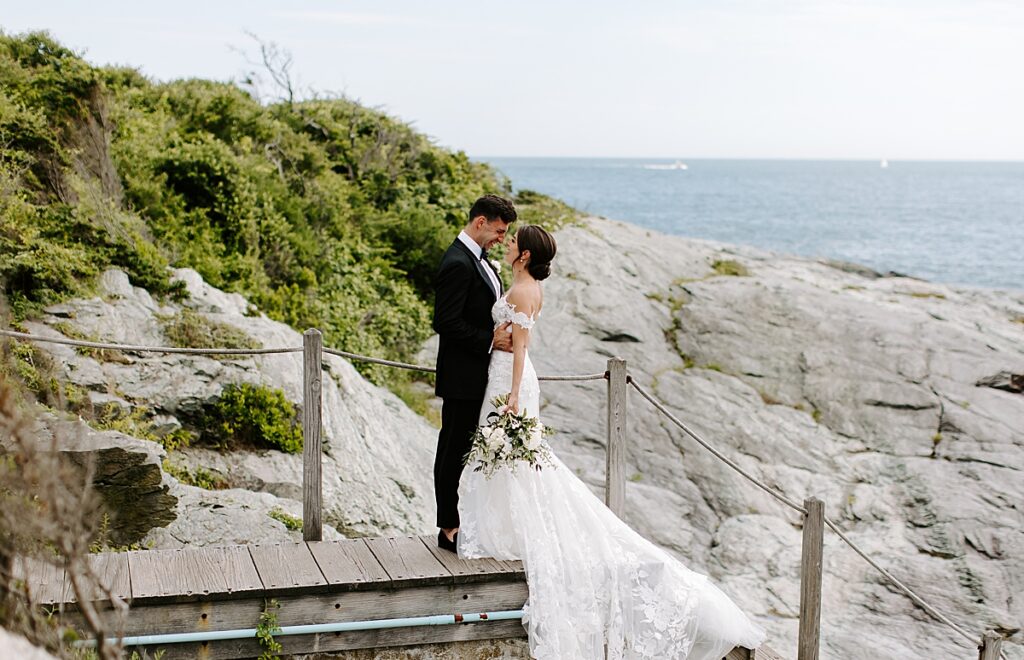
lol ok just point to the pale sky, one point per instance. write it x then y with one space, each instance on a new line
896 79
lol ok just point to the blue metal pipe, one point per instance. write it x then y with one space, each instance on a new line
311 629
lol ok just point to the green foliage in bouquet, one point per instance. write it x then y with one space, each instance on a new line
508 440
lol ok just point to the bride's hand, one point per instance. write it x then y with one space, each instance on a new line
512 405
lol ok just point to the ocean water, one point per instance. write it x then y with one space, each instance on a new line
951 222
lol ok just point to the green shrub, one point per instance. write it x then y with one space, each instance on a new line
290 522
256 416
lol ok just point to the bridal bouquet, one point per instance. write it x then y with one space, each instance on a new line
508 439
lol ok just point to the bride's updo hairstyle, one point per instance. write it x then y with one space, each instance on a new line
542 249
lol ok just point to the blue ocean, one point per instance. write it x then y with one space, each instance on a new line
951 222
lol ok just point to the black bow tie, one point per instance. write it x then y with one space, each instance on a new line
483 255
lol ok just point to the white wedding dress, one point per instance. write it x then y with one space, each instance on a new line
597 588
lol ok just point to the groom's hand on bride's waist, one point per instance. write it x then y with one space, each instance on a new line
503 338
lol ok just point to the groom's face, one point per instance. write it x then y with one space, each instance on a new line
492 233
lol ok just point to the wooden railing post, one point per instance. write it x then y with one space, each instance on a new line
312 402
615 471
810 579
991 646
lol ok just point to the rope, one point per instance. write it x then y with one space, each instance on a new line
373 360
719 455
902 587
889 576
150 349
257 351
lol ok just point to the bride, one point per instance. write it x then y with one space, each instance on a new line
597 588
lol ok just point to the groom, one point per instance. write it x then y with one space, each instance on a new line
466 288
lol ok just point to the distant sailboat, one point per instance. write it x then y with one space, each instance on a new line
678 165
884 164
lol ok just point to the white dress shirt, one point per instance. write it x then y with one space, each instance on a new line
477 252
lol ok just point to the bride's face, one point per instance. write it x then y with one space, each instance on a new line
512 252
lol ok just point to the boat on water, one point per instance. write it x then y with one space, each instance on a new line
678 165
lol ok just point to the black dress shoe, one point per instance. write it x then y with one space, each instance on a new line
445 544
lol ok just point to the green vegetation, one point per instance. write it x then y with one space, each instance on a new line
729 267
201 477
256 416
189 329
265 629
290 522
321 212
927 294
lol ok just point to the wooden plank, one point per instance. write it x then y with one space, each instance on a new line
471 570
44 579
112 575
810 579
766 653
324 607
286 568
408 561
331 642
348 564
193 573
615 469
312 402
740 653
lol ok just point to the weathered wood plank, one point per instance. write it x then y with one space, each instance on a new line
287 568
312 402
810 579
765 653
408 561
112 575
193 573
323 607
471 570
45 580
330 642
348 564
740 653
615 469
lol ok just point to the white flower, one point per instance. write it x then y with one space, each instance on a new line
496 439
496 264
534 439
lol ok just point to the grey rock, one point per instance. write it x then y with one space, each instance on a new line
126 473
16 646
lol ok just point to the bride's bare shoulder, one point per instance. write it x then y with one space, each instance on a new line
526 297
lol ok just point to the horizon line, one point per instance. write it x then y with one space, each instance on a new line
847 159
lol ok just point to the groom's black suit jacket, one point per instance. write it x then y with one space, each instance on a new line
463 297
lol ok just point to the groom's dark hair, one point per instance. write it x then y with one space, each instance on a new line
493 208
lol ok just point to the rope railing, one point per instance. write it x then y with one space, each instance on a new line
938 616
148 349
719 455
615 485
132 348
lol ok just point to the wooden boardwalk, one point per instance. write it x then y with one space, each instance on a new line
224 588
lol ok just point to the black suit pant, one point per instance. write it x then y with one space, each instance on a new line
459 420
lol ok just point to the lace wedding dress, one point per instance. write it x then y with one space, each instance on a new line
597 588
